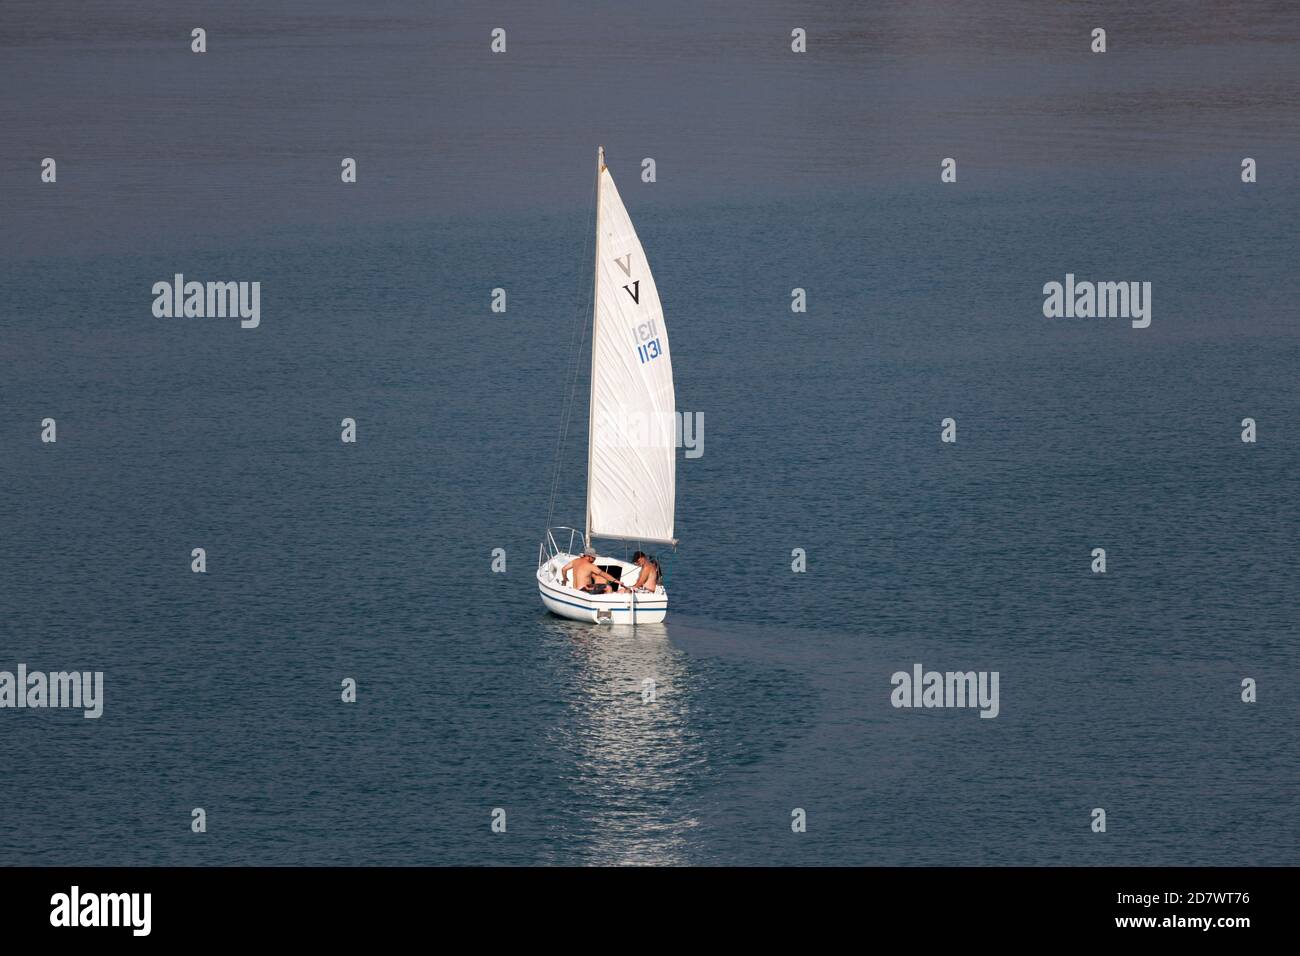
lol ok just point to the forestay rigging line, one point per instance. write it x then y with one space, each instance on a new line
576 340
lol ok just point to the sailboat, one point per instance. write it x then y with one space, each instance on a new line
631 429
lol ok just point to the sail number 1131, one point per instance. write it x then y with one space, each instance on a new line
648 345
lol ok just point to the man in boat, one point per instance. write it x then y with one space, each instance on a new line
648 580
587 577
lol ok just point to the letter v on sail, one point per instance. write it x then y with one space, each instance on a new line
631 435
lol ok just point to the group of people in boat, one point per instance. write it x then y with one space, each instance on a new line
588 577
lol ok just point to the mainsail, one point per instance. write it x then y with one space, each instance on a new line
631 463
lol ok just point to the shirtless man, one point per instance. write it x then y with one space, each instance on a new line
588 577
649 577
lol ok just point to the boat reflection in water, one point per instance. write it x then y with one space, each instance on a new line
635 759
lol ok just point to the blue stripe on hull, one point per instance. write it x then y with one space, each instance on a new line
561 598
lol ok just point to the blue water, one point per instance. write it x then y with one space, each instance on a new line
821 432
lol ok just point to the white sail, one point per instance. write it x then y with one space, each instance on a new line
631 466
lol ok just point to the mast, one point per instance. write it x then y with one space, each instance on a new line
595 317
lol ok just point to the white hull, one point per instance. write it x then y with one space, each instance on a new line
617 608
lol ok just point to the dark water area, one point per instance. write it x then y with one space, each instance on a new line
821 432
